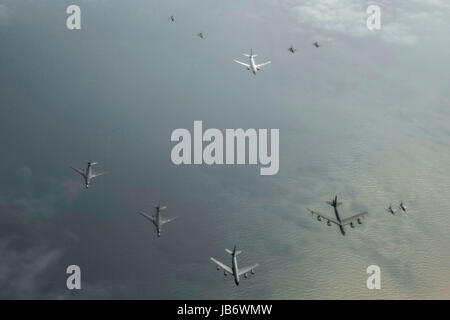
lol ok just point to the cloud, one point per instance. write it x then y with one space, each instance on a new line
4 13
402 22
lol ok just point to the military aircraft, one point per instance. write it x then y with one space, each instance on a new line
340 223
88 174
252 66
234 270
316 44
201 35
172 18
402 206
157 218
292 49
391 210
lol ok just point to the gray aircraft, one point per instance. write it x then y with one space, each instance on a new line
157 219
88 174
340 223
252 65
172 18
292 49
316 44
403 207
234 270
391 210
201 35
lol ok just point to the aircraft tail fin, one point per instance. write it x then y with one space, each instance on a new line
334 204
235 252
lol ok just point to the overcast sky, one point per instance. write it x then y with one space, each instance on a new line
365 116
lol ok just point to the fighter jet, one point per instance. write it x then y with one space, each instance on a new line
234 270
316 44
340 223
252 66
88 174
292 49
391 210
157 219
172 18
201 35
402 207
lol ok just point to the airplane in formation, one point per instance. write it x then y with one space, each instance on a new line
234 270
88 174
252 66
391 210
157 218
292 49
337 221
402 207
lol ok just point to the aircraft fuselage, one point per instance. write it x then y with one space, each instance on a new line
253 67
235 270
341 227
88 175
158 222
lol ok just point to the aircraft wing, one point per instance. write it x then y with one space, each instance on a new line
247 269
324 217
79 171
244 64
224 267
164 221
262 64
149 217
95 175
353 218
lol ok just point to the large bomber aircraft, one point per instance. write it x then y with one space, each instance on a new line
337 221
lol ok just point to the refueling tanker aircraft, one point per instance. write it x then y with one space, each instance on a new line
157 218
88 174
234 270
337 221
252 65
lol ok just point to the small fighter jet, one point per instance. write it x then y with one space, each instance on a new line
316 44
292 49
402 207
157 218
88 174
234 270
252 65
172 18
391 210
201 35
337 221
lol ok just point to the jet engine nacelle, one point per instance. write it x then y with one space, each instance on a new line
359 221
245 276
319 218
328 223
252 272
217 268
225 273
352 225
